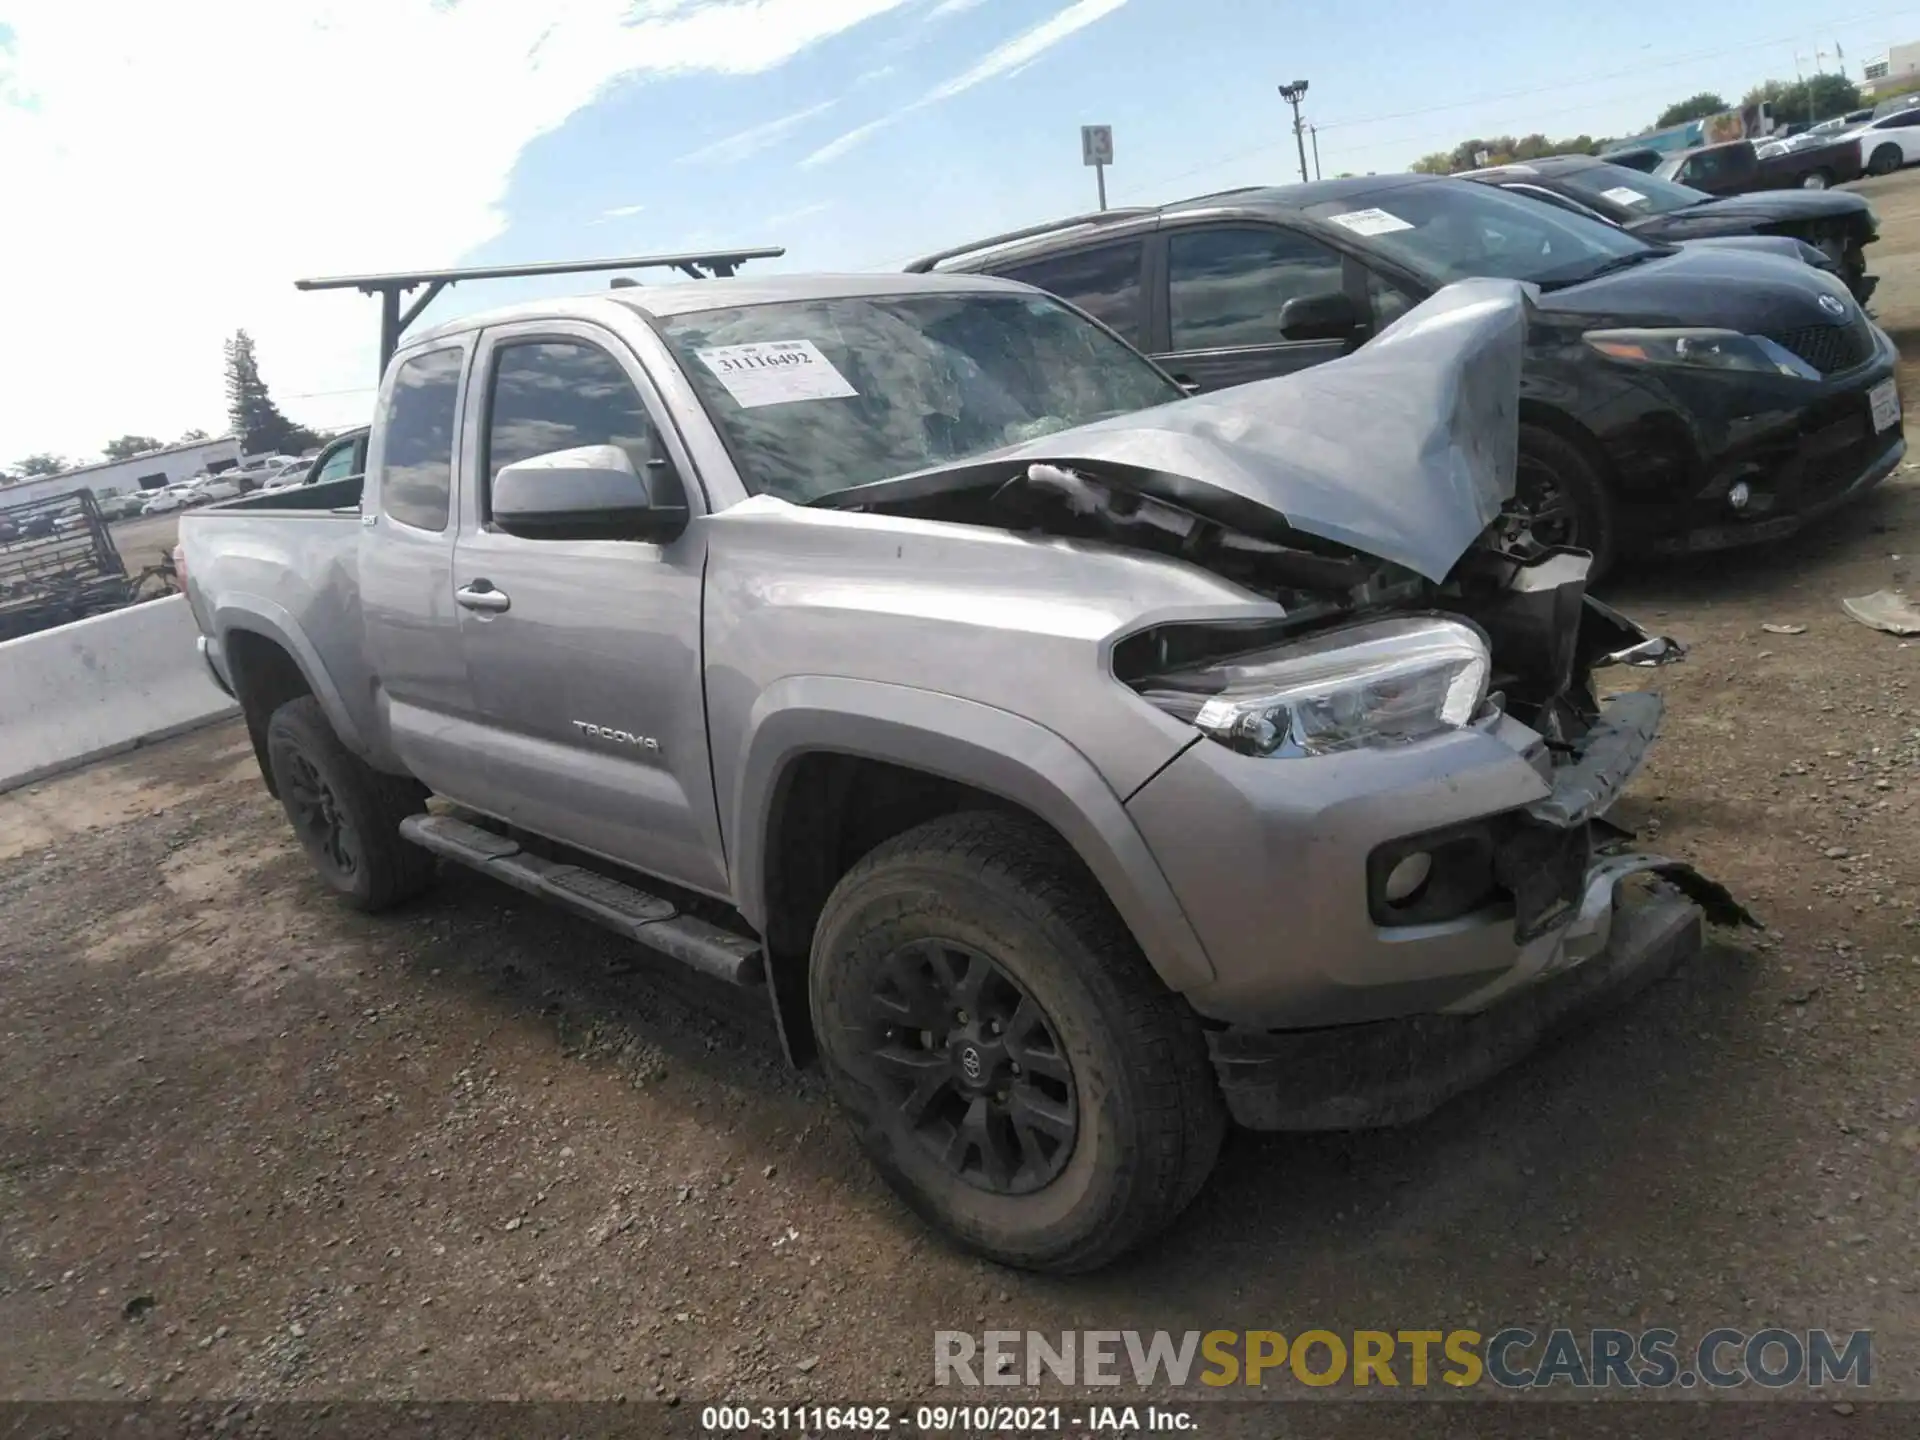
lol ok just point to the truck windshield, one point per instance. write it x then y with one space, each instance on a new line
1458 230
814 396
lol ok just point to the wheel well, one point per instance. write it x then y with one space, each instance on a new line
1532 412
829 810
264 678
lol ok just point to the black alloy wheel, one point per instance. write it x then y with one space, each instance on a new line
1541 514
318 817
974 1069
1885 160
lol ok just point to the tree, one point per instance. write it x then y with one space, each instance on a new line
1499 150
256 419
41 464
1805 102
190 436
128 446
1694 107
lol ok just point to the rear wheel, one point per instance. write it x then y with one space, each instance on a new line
1815 180
345 813
1885 160
1006 1057
1559 498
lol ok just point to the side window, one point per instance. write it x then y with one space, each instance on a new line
339 465
1103 281
1389 301
552 395
1226 286
416 473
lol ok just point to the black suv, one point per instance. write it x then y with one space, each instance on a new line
1675 398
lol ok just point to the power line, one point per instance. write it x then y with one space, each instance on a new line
1678 61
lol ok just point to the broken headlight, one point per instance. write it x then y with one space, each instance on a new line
1379 683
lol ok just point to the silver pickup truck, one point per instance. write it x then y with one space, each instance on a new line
1074 764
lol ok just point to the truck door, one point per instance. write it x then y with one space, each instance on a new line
584 654
406 561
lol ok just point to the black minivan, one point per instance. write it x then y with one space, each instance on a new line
1675 398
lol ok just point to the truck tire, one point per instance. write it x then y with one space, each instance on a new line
1560 498
1006 1057
345 813
1885 160
1816 180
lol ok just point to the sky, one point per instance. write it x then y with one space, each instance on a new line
167 171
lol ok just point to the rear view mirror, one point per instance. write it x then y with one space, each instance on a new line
591 492
1328 316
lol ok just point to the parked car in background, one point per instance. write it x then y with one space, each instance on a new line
1889 142
1838 223
1057 754
341 458
1674 399
160 502
1894 104
1851 120
1644 159
1736 168
216 487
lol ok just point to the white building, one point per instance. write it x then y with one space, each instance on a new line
1892 73
150 471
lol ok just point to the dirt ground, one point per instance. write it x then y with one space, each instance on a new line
254 1145
143 539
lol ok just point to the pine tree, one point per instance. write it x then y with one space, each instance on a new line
256 419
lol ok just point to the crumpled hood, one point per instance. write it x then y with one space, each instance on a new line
1405 450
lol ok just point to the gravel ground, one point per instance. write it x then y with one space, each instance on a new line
254 1145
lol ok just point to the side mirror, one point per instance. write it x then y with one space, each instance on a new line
591 492
1328 316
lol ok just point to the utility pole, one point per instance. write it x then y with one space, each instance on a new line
1293 94
1314 130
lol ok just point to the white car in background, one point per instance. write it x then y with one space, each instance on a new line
216 487
1889 142
162 501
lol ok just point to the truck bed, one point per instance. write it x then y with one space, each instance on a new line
290 559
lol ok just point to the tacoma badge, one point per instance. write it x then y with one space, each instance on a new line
618 737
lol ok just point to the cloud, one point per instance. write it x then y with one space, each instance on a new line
732 149
773 224
134 163
621 212
952 7
1006 59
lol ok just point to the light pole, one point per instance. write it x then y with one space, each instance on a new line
1293 94
1314 130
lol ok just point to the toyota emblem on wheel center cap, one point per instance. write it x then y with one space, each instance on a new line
1833 305
971 1063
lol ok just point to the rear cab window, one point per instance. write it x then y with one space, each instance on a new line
416 470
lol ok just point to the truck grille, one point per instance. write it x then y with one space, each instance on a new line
1830 348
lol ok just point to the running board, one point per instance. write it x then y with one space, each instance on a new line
649 919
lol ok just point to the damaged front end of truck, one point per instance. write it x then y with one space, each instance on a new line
1363 499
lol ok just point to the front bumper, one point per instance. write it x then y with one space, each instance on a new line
1270 859
1389 1073
1799 451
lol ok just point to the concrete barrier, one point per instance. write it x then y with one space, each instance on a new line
98 687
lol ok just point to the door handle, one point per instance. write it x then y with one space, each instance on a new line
480 595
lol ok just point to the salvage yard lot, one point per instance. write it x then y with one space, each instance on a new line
252 1144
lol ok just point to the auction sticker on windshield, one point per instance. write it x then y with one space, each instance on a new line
1624 195
775 372
1371 222
1885 400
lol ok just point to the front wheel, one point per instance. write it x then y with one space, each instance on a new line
1559 498
1885 160
1815 180
1007 1059
345 813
